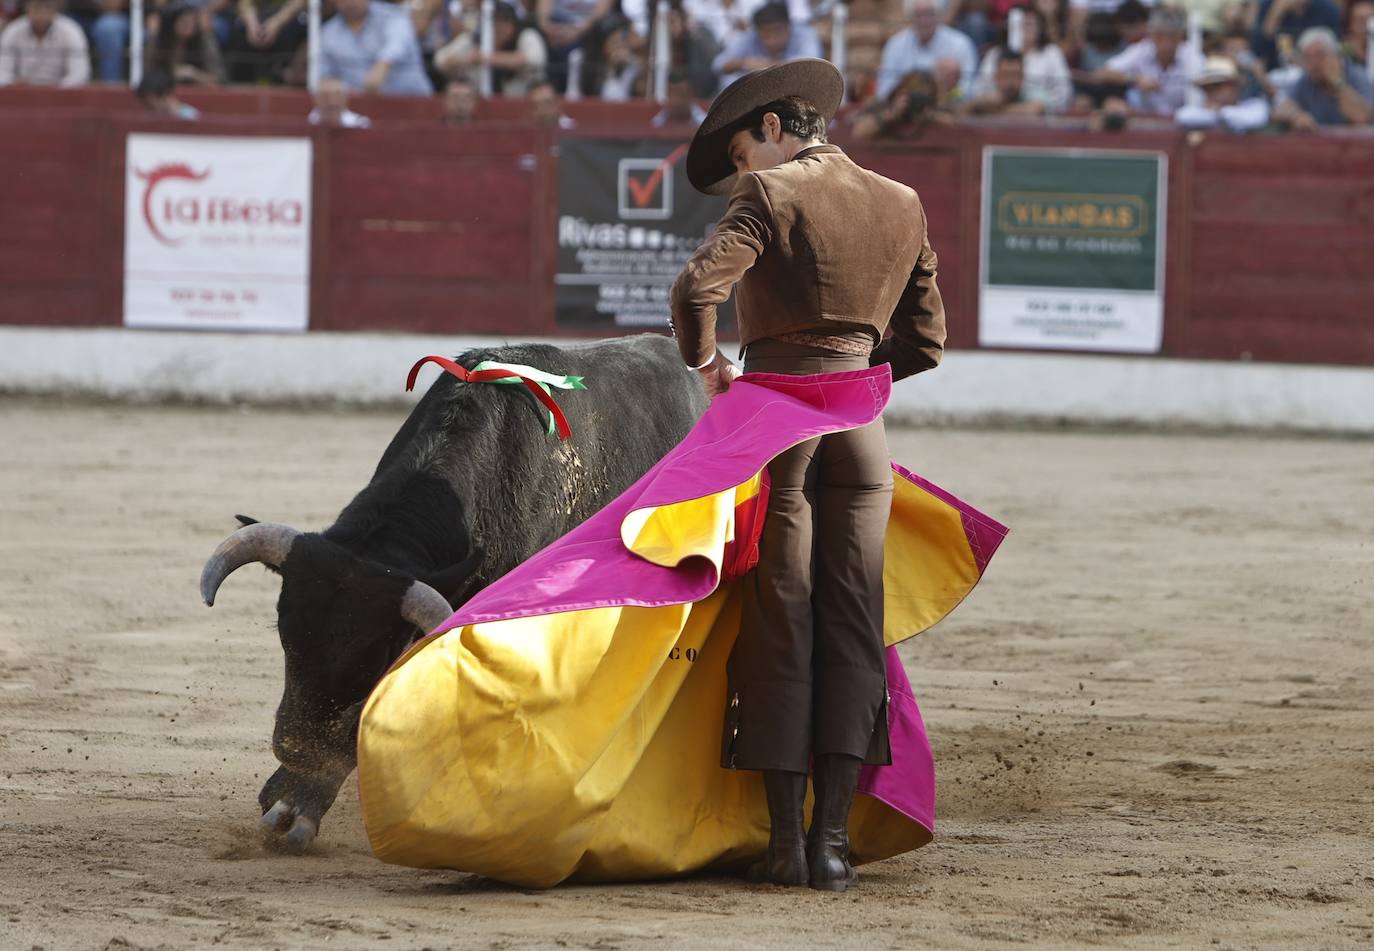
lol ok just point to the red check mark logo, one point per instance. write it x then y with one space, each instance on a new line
642 192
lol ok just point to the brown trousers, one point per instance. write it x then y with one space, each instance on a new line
807 673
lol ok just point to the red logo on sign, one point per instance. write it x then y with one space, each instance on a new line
156 177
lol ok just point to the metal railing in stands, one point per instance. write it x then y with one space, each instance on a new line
312 39
1369 49
660 54
135 42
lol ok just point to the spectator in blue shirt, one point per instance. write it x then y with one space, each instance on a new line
919 48
774 39
372 47
1330 91
1290 18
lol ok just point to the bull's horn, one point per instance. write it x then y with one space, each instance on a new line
424 607
265 542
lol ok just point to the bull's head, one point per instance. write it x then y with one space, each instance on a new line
343 621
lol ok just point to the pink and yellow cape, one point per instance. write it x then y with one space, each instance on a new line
565 723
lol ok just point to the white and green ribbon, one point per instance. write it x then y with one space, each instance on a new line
545 380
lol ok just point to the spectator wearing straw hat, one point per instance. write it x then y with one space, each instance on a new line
1330 91
1158 71
1222 107
774 39
44 48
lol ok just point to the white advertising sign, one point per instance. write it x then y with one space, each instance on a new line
217 232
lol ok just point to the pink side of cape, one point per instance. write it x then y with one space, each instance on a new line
759 417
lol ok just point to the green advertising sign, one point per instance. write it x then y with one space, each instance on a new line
1073 249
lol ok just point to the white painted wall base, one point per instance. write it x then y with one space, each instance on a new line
970 387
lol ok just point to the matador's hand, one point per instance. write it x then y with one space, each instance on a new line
717 375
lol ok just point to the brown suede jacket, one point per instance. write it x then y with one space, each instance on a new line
817 244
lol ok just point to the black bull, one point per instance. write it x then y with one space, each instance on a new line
469 488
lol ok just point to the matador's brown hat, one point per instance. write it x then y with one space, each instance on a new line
708 159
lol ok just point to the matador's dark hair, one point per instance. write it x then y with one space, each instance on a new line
795 114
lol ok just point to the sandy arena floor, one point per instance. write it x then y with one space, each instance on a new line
1154 721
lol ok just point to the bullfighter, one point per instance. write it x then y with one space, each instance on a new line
824 257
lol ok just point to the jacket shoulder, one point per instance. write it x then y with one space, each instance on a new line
751 188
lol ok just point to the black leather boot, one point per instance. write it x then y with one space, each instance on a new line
827 845
785 861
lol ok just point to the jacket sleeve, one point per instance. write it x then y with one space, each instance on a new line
918 321
715 266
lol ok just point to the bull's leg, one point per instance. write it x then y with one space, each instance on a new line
295 798
293 805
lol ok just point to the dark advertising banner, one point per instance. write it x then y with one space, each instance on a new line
628 220
1073 249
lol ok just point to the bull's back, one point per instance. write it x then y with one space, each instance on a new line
521 488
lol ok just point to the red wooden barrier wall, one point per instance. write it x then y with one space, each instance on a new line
422 227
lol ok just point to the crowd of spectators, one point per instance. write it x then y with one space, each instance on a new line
1260 64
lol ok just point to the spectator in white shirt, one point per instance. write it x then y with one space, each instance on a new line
44 48
1046 72
919 48
518 58
1158 71
1220 82
331 107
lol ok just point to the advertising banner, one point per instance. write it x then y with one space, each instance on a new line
217 232
1072 249
628 220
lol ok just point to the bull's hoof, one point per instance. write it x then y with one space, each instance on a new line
278 818
301 834
299 830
